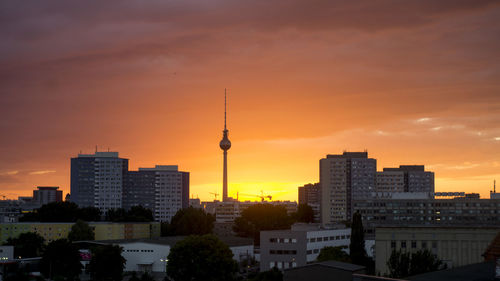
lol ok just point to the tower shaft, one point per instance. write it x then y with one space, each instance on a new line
224 180
225 145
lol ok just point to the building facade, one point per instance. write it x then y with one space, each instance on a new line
171 191
310 194
102 230
47 194
428 212
455 246
97 180
344 178
406 178
296 247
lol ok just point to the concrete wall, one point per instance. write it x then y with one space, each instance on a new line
455 246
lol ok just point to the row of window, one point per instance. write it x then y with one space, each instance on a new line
142 251
326 238
283 240
282 252
413 244
282 264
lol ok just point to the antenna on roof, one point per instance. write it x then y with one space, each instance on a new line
96 148
494 186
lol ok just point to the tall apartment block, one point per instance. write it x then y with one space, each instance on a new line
97 180
47 194
406 178
163 187
310 194
344 178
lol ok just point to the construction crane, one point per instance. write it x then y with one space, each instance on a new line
261 196
215 194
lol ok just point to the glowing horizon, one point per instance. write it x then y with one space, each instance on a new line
412 83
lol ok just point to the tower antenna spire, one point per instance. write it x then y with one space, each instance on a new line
225 106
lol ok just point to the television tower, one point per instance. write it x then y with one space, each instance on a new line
225 145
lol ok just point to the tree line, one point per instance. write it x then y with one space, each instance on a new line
70 212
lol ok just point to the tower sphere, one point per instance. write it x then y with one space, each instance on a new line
225 144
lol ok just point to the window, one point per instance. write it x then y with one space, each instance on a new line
413 244
424 244
272 264
312 240
316 251
294 240
272 240
393 244
403 244
319 239
434 244
309 252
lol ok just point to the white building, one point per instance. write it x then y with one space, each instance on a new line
6 253
151 255
300 245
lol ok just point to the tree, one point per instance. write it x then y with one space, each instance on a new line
89 214
191 221
260 217
271 275
405 264
423 261
135 214
61 260
357 246
81 231
27 245
139 213
398 264
304 213
106 263
116 215
333 253
58 212
199 258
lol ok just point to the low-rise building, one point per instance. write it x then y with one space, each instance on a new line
151 255
428 212
298 246
455 246
51 231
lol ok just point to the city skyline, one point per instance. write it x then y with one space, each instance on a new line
412 84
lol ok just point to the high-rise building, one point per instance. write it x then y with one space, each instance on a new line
97 180
46 194
310 194
344 178
171 190
406 178
225 145
139 189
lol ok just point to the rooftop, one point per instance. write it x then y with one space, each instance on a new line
476 272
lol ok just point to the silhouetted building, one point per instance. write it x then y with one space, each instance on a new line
406 178
344 178
163 186
310 194
139 189
97 180
47 194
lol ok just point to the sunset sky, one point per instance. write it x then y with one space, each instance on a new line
412 82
